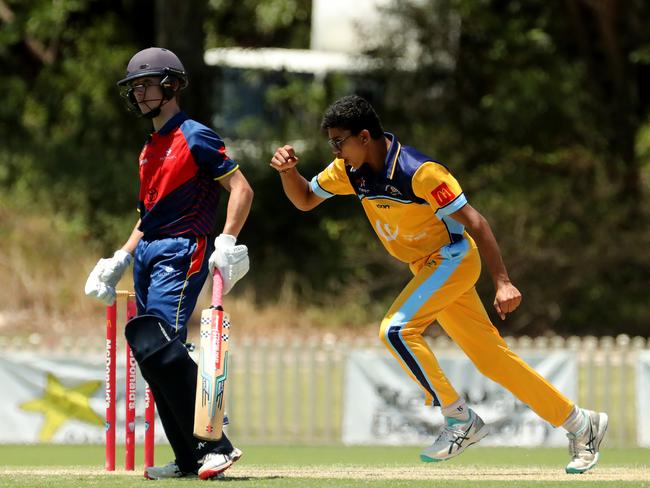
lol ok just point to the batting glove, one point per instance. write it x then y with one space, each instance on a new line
231 260
104 277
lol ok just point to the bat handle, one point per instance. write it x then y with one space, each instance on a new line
217 290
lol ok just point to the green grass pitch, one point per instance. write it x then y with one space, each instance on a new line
63 466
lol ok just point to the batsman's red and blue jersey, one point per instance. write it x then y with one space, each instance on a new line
179 167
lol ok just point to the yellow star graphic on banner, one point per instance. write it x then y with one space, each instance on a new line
60 404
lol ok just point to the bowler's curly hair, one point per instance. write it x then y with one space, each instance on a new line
353 113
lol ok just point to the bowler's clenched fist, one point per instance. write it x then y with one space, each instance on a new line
284 159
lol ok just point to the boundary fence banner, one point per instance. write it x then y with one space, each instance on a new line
384 406
298 390
60 398
643 398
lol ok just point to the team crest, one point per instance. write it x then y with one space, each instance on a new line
391 190
152 195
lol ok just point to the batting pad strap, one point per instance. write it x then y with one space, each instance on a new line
148 334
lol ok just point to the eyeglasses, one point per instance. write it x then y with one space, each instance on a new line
337 144
142 87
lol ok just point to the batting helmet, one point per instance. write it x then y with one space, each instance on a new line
155 61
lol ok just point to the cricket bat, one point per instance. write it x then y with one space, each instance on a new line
212 367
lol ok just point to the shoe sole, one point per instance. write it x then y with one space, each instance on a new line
219 473
156 478
214 472
583 470
153 478
603 424
148 476
480 434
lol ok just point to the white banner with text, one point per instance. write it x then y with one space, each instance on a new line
384 406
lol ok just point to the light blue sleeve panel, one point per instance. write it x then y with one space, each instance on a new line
318 190
456 204
452 226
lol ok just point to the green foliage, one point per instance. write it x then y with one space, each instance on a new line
254 23
542 140
540 109
68 130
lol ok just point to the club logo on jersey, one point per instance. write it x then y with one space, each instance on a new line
361 185
167 270
168 155
385 232
391 190
443 194
152 195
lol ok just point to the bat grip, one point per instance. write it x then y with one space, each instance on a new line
217 290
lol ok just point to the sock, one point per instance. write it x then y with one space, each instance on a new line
576 421
457 410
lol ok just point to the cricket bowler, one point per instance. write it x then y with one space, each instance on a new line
423 218
183 169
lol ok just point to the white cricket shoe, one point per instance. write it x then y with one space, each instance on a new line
168 471
455 437
584 445
235 454
213 465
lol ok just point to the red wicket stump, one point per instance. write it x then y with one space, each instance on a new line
130 393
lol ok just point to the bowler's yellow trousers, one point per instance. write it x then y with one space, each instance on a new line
443 290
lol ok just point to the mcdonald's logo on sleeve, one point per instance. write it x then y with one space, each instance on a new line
443 194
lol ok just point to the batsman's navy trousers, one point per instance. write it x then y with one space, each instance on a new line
443 290
168 275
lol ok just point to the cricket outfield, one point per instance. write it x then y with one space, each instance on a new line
64 466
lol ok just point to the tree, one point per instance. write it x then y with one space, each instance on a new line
179 27
539 113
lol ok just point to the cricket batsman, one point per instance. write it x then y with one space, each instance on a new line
183 169
423 218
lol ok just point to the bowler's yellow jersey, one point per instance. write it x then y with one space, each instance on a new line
408 204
